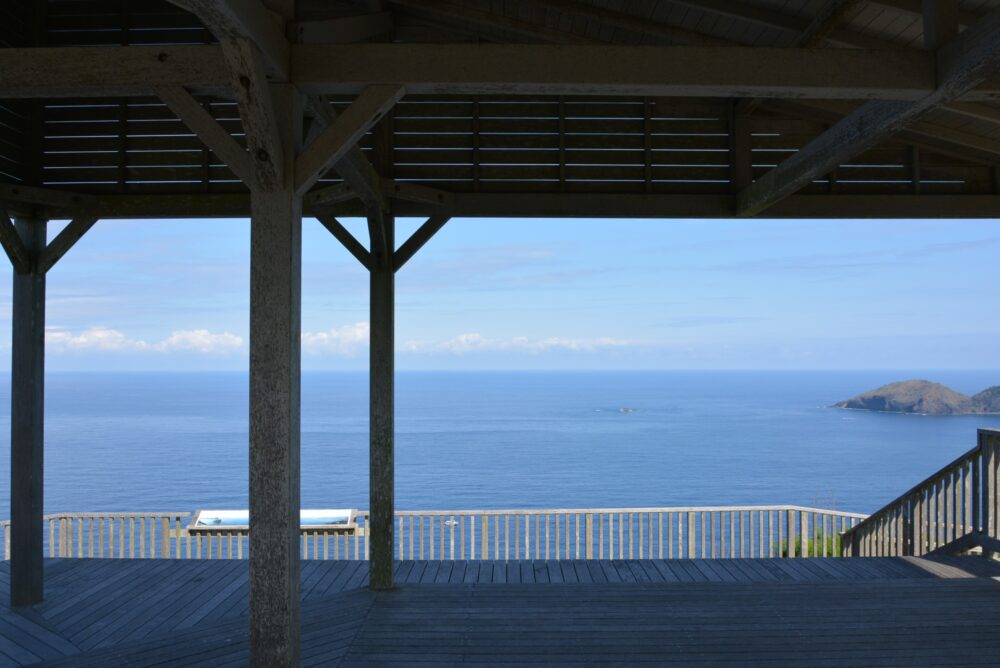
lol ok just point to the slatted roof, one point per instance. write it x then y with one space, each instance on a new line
502 154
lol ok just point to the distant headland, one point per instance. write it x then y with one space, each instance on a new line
925 398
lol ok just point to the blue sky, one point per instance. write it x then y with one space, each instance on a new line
546 294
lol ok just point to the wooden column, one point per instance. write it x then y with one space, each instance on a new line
26 421
275 333
381 417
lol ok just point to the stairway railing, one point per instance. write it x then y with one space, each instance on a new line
953 510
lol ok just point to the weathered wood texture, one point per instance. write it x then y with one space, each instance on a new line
27 423
382 400
955 509
275 332
843 611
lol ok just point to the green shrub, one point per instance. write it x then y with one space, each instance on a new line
814 546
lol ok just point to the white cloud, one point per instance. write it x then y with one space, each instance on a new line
347 340
112 340
475 342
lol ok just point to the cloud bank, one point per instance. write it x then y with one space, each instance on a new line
105 339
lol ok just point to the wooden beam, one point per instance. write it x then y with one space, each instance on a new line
13 245
52 197
110 71
569 205
740 148
64 241
344 133
381 392
632 23
415 192
940 139
356 170
253 98
616 70
453 14
275 361
915 8
962 64
248 19
346 239
200 122
940 22
485 69
344 29
830 16
340 192
417 240
27 423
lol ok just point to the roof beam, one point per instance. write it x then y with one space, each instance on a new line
962 64
200 122
615 70
575 205
452 14
229 19
632 23
344 133
594 69
343 30
826 21
915 7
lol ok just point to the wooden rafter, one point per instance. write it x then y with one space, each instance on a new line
452 14
962 64
344 133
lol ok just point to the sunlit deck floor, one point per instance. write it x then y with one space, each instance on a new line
764 611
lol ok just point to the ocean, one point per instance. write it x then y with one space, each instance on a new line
178 441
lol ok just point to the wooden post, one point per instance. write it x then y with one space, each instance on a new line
381 417
275 332
26 421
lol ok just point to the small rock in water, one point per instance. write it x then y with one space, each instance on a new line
628 410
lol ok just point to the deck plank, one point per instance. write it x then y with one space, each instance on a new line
902 610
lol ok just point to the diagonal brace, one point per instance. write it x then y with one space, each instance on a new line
344 133
347 239
215 137
12 243
64 241
417 240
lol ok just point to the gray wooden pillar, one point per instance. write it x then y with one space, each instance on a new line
381 417
26 422
275 334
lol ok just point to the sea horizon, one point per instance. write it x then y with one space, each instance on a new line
177 440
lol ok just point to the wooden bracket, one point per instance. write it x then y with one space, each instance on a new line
14 246
346 239
200 122
64 241
344 133
417 240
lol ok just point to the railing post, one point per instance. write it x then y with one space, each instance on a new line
590 536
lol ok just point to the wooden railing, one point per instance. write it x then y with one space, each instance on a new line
612 533
953 510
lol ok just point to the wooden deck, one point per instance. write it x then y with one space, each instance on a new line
877 611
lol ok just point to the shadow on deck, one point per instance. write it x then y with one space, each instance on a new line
874 611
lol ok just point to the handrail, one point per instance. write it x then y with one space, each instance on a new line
502 534
947 511
923 483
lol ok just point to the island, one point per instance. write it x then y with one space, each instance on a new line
925 398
